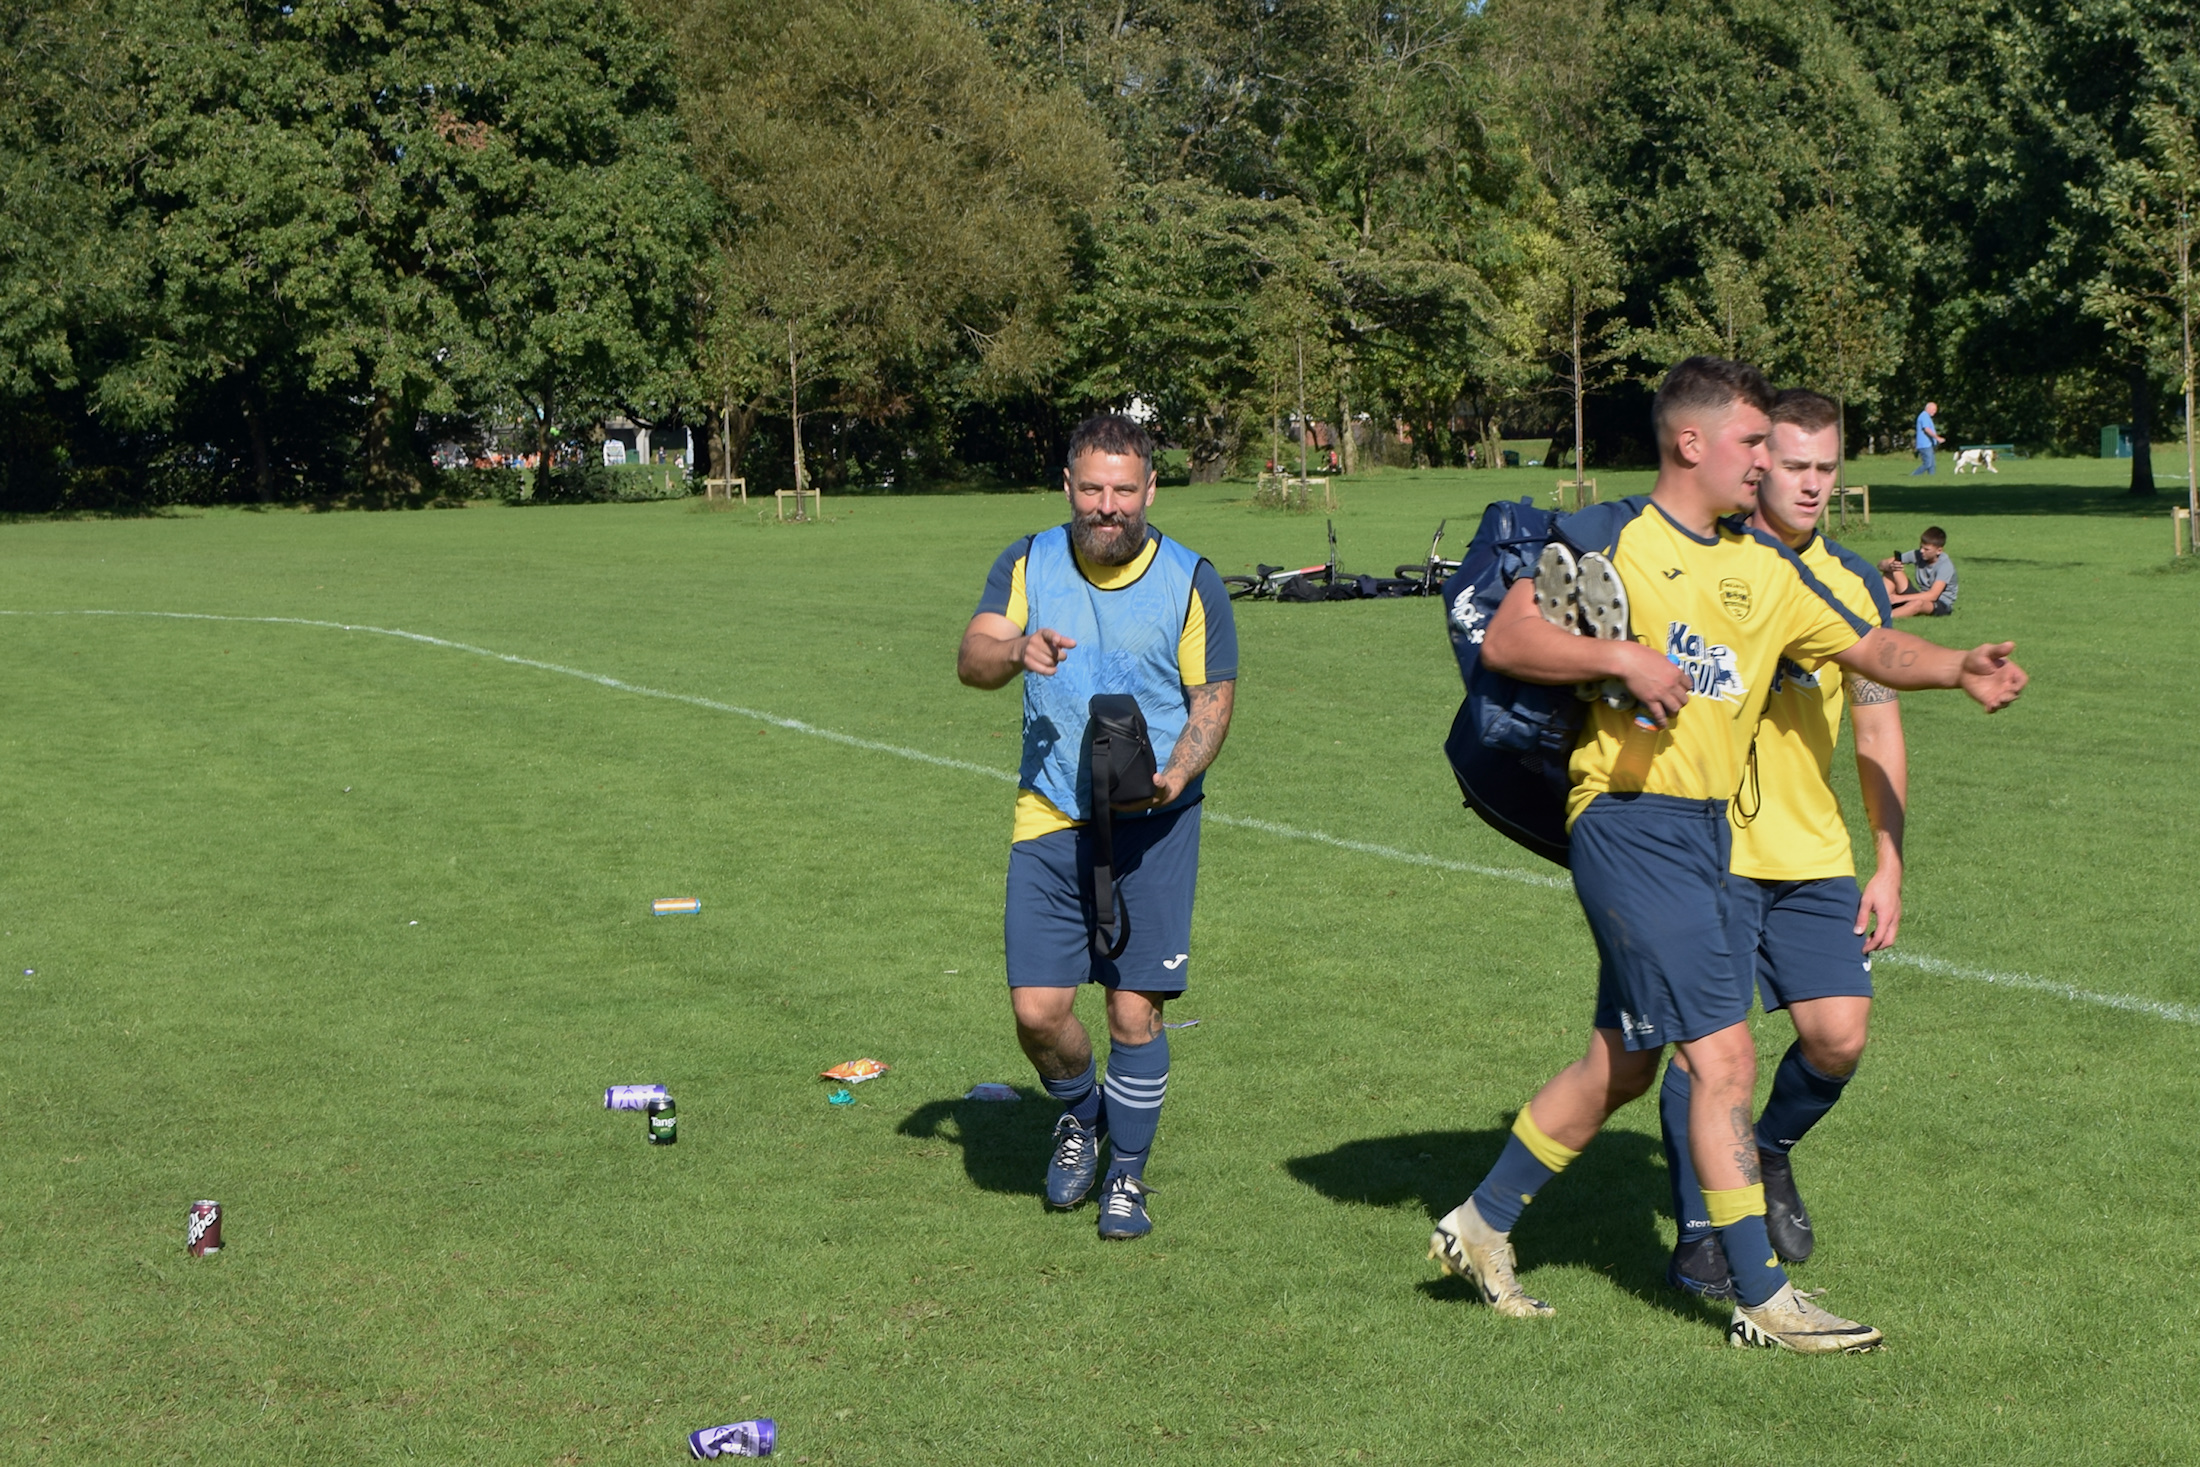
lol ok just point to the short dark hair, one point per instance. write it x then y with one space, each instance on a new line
1707 382
1934 535
1109 433
1813 412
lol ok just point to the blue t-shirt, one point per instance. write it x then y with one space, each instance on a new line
1926 432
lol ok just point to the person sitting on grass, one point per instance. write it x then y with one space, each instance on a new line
1922 582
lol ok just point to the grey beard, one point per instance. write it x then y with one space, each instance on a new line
1122 552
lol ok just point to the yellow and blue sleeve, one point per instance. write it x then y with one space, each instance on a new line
1004 593
1868 576
1207 649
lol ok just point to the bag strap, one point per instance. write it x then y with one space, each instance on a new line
1112 932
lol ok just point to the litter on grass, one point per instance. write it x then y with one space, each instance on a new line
675 906
1183 1024
992 1090
840 1097
632 1097
741 1439
855 1072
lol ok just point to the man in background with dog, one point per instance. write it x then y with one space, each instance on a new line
1922 582
1104 604
1795 900
1928 437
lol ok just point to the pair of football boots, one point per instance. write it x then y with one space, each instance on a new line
1583 595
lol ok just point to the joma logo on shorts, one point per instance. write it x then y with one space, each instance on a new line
1709 665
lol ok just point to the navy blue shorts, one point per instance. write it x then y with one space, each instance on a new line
1650 871
1049 924
1804 935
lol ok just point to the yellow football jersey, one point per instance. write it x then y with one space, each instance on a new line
1787 823
1723 609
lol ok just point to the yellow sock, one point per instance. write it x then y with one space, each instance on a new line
1555 1156
1735 1203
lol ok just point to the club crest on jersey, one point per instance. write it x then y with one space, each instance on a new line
1709 666
1734 596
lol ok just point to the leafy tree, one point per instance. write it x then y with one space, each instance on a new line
2144 291
896 209
363 216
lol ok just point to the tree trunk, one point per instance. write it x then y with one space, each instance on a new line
377 446
794 416
1348 445
541 487
255 421
2184 296
1580 454
2142 431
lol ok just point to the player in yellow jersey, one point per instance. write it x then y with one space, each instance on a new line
1704 611
1796 905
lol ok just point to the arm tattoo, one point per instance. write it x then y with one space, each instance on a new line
1205 727
1863 692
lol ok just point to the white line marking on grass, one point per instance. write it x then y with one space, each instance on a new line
2175 1012
1924 963
1389 853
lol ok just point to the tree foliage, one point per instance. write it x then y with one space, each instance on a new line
264 250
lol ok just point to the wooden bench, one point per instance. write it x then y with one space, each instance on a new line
1862 493
815 495
1571 496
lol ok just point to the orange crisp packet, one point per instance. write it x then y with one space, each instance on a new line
855 1072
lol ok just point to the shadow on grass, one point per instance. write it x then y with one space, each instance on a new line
1602 1212
1973 498
1005 1146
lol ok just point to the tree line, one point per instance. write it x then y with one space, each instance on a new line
274 252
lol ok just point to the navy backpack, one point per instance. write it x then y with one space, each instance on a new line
1511 740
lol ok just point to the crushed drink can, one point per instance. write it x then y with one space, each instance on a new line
632 1097
203 1234
664 1121
741 1439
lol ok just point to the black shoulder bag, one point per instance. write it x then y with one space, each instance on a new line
1121 760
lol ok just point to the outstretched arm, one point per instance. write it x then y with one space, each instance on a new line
1521 644
1910 663
994 649
1206 725
1883 773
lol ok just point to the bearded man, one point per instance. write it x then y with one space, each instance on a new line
1104 604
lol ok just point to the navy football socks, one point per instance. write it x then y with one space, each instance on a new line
1690 1215
1801 1096
1138 1079
1080 1097
1529 1159
1750 1260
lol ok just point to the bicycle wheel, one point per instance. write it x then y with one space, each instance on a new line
1240 586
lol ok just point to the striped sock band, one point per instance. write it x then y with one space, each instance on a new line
1137 1083
1529 1159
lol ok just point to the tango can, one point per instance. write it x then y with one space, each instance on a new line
741 1439
203 1234
664 1121
675 906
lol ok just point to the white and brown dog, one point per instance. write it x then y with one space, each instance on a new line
1975 459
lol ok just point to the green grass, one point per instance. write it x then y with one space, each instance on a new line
219 837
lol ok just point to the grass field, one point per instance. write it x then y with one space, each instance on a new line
349 931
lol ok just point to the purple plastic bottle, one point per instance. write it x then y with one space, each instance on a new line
741 1439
